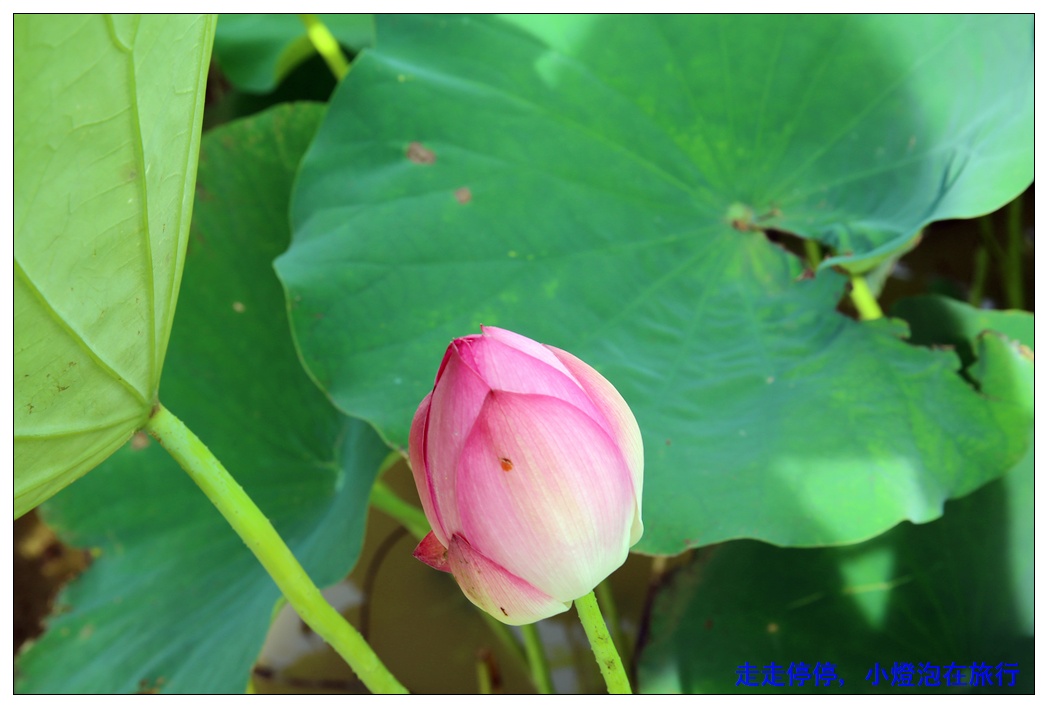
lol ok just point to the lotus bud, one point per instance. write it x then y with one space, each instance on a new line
529 466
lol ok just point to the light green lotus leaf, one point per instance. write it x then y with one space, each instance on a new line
107 130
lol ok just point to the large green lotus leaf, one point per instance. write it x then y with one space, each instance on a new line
107 128
174 600
943 321
935 594
257 51
595 183
958 589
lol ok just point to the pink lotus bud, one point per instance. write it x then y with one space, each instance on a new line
529 465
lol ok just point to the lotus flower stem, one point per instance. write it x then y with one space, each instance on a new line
605 597
326 45
258 533
603 647
536 659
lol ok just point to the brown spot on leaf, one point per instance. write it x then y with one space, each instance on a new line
150 687
463 195
420 154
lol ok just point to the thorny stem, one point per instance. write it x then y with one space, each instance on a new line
605 596
603 647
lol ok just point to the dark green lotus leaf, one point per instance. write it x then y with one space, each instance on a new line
174 601
957 589
938 593
107 131
943 321
600 184
257 51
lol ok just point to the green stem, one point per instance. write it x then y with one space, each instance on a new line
1015 246
484 680
981 270
603 647
505 636
536 659
988 240
814 252
258 533
605 596
864 301
326 45
409 516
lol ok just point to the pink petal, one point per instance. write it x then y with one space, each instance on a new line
504 596
432 552
522 344
509 369
416 451
544 492
616 412
456 403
